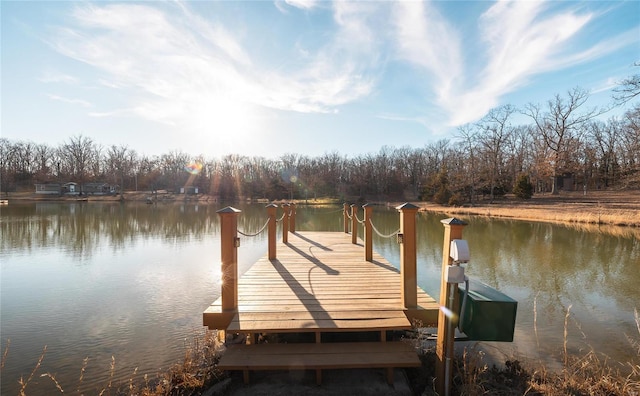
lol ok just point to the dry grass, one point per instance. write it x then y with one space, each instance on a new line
599 208
192 376
588 374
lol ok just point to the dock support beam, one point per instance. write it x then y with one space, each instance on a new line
285 224
447 317
354 224
345 214
408 255
229 243
368 236
271 212
292 218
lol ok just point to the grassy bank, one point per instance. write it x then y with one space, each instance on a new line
589 374
586 374
614 208
193 375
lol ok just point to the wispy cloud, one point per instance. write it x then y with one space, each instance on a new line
517 39
342 70
57 77
173 62
607 85
174 65
304 4
80 102
426 39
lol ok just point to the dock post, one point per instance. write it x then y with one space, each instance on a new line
408 255
271 212
229 243
345 214
446 316
285 224
292 218
354 224
368 240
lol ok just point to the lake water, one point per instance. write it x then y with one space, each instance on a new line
130 281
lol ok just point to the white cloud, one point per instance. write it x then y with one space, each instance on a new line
59 98
302 4
342 70
56 77
176 67
517 39
604 86
426 39
170 62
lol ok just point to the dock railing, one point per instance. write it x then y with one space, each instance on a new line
406 237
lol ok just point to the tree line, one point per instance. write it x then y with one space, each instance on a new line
564 146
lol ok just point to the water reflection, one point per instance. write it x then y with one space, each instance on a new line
549 268
96 280
84 228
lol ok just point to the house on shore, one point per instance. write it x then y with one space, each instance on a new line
189 190
72 188
48 188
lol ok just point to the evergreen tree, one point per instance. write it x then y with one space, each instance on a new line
523 188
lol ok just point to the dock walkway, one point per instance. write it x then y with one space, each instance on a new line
320 283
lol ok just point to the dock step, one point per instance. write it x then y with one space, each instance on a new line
307 356
272 322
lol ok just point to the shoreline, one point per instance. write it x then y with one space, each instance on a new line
596 209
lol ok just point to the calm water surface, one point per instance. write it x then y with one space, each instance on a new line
97 281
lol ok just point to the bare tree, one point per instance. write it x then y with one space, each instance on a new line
520 149
5 149
605 137
494 132
119 163
468 135
560 125
78 154
44 157
627 89
630 145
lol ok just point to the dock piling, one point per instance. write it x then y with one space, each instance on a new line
229 242
354 224
292 217
368 236
408 255
345 214
271 212
446 323
285 224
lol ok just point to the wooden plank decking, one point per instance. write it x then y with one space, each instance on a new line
320 283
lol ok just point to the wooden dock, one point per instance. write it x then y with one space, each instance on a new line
320 283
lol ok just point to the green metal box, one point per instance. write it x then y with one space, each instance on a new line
489 315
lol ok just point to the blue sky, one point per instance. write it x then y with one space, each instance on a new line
266 78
